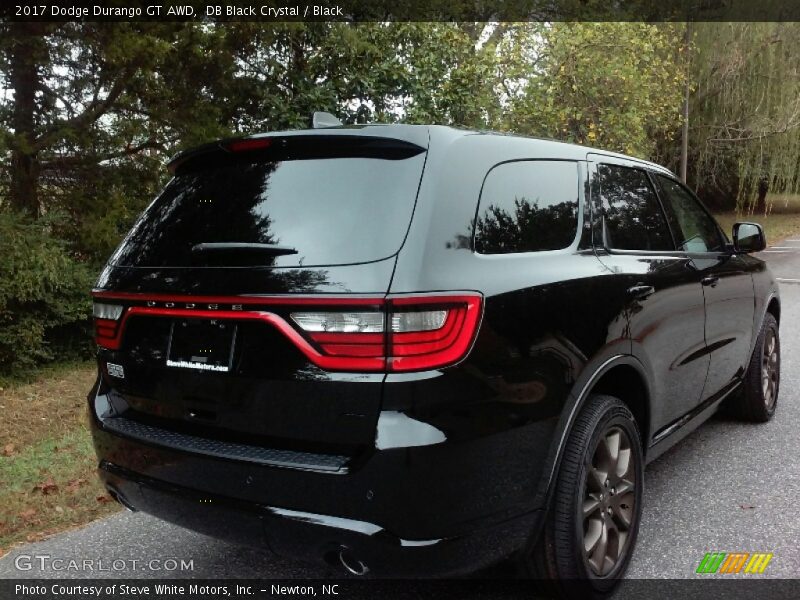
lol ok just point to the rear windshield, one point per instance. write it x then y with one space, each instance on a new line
284 213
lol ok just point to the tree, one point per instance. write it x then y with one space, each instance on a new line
616 86
745 123
94 109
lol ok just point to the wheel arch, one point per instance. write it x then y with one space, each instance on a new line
622 376
774 308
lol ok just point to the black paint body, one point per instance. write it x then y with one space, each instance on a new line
448 470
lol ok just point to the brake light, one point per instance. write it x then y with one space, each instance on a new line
106 323
423 333
249 144
428 333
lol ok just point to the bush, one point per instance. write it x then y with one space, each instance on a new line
44 295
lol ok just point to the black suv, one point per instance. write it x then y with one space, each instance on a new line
418 350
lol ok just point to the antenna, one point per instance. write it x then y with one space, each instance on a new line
321 120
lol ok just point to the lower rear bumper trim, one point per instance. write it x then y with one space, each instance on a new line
221 449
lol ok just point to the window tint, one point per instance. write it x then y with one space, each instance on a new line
633 216
528 206
694 229
323 211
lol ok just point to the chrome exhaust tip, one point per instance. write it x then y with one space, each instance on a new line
351 563
116 495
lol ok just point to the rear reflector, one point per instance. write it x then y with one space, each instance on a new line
395 334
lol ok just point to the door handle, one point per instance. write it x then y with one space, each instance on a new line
641 291
710 280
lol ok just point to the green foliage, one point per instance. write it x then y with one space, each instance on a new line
44 294
745 113
616 86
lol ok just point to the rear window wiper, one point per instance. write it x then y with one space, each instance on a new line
271 249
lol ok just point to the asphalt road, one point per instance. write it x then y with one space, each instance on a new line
729 487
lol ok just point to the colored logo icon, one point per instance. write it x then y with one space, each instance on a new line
734 562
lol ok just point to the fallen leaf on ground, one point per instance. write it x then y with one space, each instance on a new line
8 449
72 486
104 499
59 509
46 487
27 514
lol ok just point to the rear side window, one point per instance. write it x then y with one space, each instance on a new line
286 213
633 216
528 206
695 230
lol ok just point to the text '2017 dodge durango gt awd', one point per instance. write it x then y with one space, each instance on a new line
417 350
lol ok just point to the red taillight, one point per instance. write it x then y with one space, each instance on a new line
249 144
411 350
417 333
106 324
395 334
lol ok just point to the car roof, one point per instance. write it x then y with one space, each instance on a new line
422 135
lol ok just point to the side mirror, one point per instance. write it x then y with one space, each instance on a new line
748 237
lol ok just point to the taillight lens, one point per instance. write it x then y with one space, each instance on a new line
106 323
428 333
423 333
111 312
344 322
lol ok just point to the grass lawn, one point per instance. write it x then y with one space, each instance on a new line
47 463
781 221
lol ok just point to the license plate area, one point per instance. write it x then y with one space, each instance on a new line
202 344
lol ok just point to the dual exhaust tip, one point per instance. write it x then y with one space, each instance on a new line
116 495
345 557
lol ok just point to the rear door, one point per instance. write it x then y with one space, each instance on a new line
663 295
727 285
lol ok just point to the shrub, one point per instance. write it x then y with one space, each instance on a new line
44 295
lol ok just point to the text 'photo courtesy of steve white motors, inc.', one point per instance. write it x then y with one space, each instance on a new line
143 589
239 11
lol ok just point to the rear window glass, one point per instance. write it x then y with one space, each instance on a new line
286 213
528 206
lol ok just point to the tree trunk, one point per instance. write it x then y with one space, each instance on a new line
761 201
685 129
27 51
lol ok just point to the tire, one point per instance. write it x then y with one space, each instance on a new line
758 397
558 556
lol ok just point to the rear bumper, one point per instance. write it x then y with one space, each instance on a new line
315 538
446 508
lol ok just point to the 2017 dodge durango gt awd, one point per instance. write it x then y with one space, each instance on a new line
416 350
